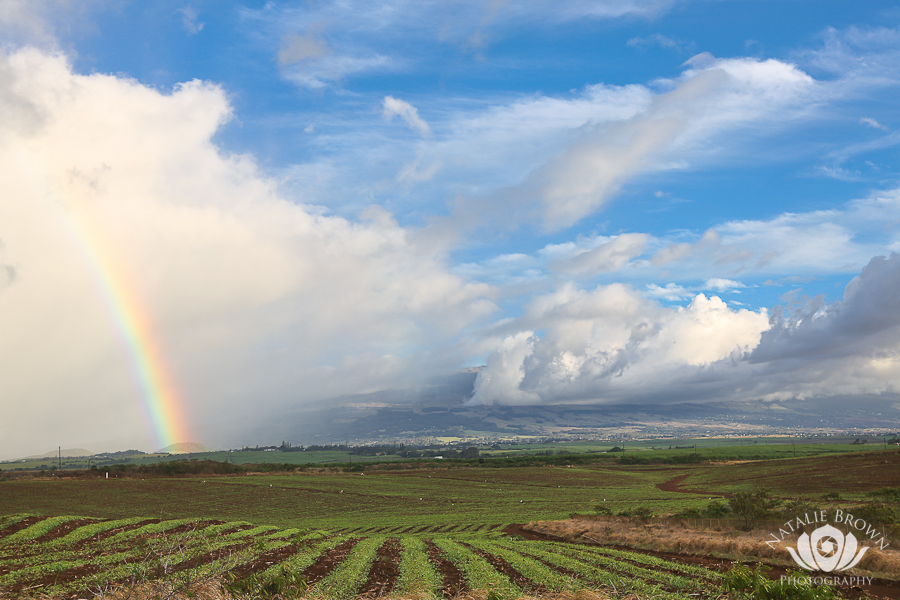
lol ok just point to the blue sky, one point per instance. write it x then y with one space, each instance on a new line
367 194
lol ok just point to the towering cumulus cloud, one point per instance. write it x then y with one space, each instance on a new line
610 345
134 249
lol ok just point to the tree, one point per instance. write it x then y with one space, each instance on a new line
751 506
470 452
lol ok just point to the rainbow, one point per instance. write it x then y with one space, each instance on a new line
161 402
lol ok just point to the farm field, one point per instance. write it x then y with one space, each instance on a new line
448 495
420 497
427 530
70 555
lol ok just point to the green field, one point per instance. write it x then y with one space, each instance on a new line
476 495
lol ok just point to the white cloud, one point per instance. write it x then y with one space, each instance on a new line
839 240
406 111
722 285
501 383
331 68
30 21
414 172
713 96
189 20
672 252
796 247
254 301
604 258
671 292
872 123
839 173
862 56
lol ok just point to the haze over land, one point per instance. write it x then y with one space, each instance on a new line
220 216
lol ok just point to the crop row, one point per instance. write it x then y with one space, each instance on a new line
536 571
617 576
342 582
324 564
480 574
653 561
478 528
36 530
417 573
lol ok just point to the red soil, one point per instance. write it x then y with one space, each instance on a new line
64 529
23 524
384 572
264 561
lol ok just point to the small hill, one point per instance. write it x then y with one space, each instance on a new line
185 448
70 453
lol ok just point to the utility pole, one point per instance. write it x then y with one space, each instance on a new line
60 458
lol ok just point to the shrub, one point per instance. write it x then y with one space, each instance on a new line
285 584
792 508
889 494
642 513
753 584
875 512
716 509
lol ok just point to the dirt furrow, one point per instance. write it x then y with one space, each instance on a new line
384 572
453 582
329 562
